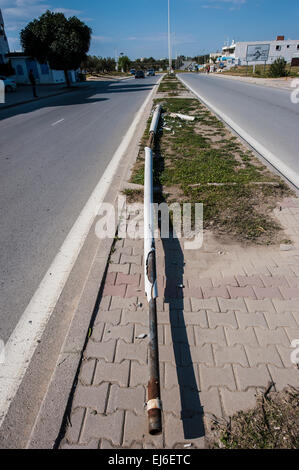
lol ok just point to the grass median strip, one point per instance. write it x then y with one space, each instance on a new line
201 161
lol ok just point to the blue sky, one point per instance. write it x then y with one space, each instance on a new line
139 27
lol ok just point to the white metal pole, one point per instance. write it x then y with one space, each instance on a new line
169 40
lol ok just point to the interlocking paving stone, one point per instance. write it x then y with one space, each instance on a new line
134 352
121 398
251 377
119 268
255 306
199 354
245 336
280 320
179 335
112 373
251 319
87 371
75 425
204 304
139 374
136 429
221 291
119 331
219 352
267 337
238 292
245 281
230 355
92 444
187 375
237 401
283 306
284 377
263 355
227 305
179 432
99 426
217 377
285 354
109 316
100 350
222 319
91 397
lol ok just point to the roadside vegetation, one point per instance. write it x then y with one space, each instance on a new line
272 424
278 69
171 86
202 162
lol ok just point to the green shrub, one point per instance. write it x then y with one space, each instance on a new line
278 68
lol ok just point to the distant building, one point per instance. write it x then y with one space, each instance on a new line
4 47
44 75
256 52
214 55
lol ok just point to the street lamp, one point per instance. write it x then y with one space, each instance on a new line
169 41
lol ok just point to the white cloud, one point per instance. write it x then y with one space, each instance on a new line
220 4
67 11
102 39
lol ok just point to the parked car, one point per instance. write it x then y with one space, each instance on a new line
139 74
9 83
132 71
151 73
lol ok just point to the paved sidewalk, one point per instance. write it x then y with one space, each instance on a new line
223 337
24 93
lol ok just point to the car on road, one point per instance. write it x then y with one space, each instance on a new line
132 71
9 83
139 74
151 73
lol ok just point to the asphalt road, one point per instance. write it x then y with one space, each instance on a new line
52 155
265 113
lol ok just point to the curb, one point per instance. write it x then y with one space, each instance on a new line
31 100
237 78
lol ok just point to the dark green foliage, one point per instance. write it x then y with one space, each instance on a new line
278 68
62 42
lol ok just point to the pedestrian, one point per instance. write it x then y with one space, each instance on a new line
33 82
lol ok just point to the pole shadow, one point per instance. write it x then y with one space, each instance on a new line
191 408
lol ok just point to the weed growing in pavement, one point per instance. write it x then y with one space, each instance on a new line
272 424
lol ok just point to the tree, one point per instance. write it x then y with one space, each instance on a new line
278 68
124 63
53 38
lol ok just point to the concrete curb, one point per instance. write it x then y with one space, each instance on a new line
50 417
254 81
12 105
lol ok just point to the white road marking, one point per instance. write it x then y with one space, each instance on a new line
57 122
22 343
290 174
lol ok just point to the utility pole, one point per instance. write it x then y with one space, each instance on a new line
169 40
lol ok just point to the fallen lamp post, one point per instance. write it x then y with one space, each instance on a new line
154 404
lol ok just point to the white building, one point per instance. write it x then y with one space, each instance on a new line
256 52
4 48
44 75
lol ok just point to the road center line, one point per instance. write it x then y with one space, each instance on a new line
22 343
